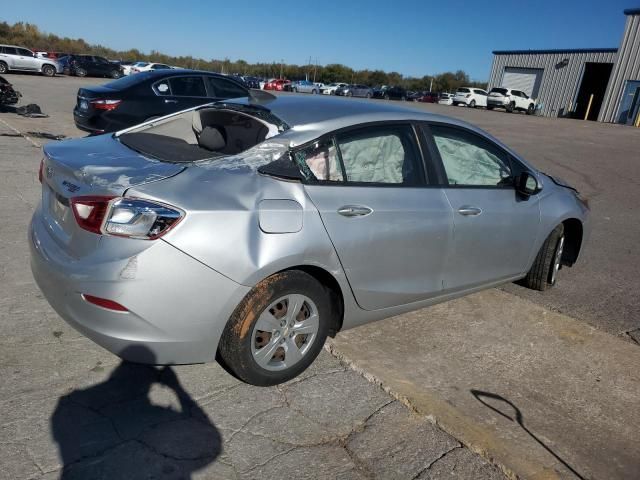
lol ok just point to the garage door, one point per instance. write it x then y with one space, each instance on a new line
526 80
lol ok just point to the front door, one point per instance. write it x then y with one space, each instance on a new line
495 228
391 232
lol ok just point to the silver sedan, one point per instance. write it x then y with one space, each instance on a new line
252 229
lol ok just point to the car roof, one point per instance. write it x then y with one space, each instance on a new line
313 116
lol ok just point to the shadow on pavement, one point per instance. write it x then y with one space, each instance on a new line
483 398
113 430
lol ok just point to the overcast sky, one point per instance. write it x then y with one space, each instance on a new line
411 37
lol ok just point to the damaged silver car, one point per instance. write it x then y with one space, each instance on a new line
249 230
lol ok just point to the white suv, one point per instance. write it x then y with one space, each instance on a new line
510 100
470 96
20 58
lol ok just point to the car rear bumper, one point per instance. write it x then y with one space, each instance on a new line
177 307
497 102
461 100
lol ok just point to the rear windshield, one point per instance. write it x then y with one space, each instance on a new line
463 90
501 91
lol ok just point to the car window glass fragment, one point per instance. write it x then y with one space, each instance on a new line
468 160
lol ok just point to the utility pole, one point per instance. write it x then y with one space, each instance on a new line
431 85
281 66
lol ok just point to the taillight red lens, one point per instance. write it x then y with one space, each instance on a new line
106 104
41 170
90 211
105 303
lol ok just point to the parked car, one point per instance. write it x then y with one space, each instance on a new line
305 86
20 59
510 100
251 82
446 99
278 84
148 95
425 97
391 93
354 90
254 228
471 97
90 65
149 66
331 88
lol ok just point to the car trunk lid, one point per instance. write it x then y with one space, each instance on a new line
95 166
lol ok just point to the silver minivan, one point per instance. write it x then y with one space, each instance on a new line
14 58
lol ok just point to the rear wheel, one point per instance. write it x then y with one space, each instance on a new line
3 67
404 99
472 104
277 331
489 107
48 71
314 92
530 109
510 107
545 268
386 97
368 95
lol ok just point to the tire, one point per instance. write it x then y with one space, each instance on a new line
80 72
266 306
3 68
386 97
403 99
48 70
543 273
368 95
115 74
511 107
472 104
489 108
530 109
314 92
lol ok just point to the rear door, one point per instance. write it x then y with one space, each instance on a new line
185 92
9 56
221 88
495 228
390 229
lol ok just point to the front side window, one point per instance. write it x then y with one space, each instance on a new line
470 160
24 52
188 87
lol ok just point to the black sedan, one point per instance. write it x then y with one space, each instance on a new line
90 65
391 93
147 95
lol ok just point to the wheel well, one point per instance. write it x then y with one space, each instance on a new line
47 65
335 293
573 241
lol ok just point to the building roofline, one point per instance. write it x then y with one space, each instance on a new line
559 50
632 11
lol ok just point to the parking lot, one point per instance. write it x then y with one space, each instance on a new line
67 403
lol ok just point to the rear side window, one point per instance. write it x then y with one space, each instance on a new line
385 155
222 88
470 160
463 90
188 87
380 155
9 50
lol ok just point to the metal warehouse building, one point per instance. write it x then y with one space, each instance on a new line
596 84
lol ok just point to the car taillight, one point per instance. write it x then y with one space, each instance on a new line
90 212
125 217
105 104
41 170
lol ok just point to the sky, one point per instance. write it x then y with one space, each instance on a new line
414 38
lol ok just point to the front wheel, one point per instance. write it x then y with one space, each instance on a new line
489 107
511 107
368 95
48 71
530 109
314 92
80 72
116 74
277 331
545 268
472 104
3 67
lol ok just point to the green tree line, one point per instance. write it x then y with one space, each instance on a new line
30 36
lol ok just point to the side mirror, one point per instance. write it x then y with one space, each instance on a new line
527 184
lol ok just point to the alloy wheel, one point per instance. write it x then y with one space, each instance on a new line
556 260
284 332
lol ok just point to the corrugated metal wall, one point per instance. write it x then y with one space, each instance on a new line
560 83
627 68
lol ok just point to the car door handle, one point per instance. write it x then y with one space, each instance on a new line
468 211
354 211
166 100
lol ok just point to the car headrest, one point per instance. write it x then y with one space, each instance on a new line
211 138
